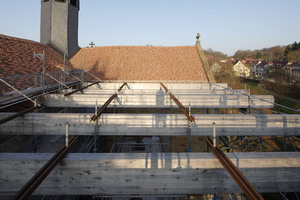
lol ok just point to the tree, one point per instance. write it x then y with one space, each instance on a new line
277 53
291 52
284 85
294 56
288 49
258 55
215 54
272 53
295 46
241 54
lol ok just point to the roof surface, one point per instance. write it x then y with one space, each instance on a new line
142 63
17 58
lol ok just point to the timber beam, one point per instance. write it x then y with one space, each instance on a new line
161 100
156 86
155 91
151 124
150 174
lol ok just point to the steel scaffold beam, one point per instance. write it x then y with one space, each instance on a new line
100 111
38 178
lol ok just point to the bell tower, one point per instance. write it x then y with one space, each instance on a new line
59 25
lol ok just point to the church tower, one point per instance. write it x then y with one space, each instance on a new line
59 25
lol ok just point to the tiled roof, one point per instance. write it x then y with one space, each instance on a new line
16 58
142 63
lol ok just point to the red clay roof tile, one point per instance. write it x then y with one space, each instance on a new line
16 58
142 63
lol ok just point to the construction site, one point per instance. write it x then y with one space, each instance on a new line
134 123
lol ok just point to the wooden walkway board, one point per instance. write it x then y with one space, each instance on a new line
150 174
151 124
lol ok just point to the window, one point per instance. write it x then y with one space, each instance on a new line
45 0
61 1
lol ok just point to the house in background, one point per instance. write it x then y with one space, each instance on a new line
260 69
293 68
241 70
215 68
296 74
277 65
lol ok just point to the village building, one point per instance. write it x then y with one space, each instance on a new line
276 66
260 69
215 68
241 70
293 69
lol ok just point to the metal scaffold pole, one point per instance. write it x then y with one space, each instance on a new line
41 57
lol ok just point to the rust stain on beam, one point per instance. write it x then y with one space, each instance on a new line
122 87
68 94
179 104
38 178
21 113
100 111
236 174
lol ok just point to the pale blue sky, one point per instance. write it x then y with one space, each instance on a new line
225 26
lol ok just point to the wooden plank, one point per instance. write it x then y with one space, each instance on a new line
161 100
151 174
151 124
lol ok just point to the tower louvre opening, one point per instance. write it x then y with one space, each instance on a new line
74 3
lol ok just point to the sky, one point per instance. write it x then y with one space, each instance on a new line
224 25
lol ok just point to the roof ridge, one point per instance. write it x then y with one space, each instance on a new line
21 39
137 46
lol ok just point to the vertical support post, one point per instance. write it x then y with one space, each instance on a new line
34 144
41 80
189 129
260 143
43 58
64 77
61 80
171 104
67 134
285 147
96 129
35 80
214 135
242 146
166 145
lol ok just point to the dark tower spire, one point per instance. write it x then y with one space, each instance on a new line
59 25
